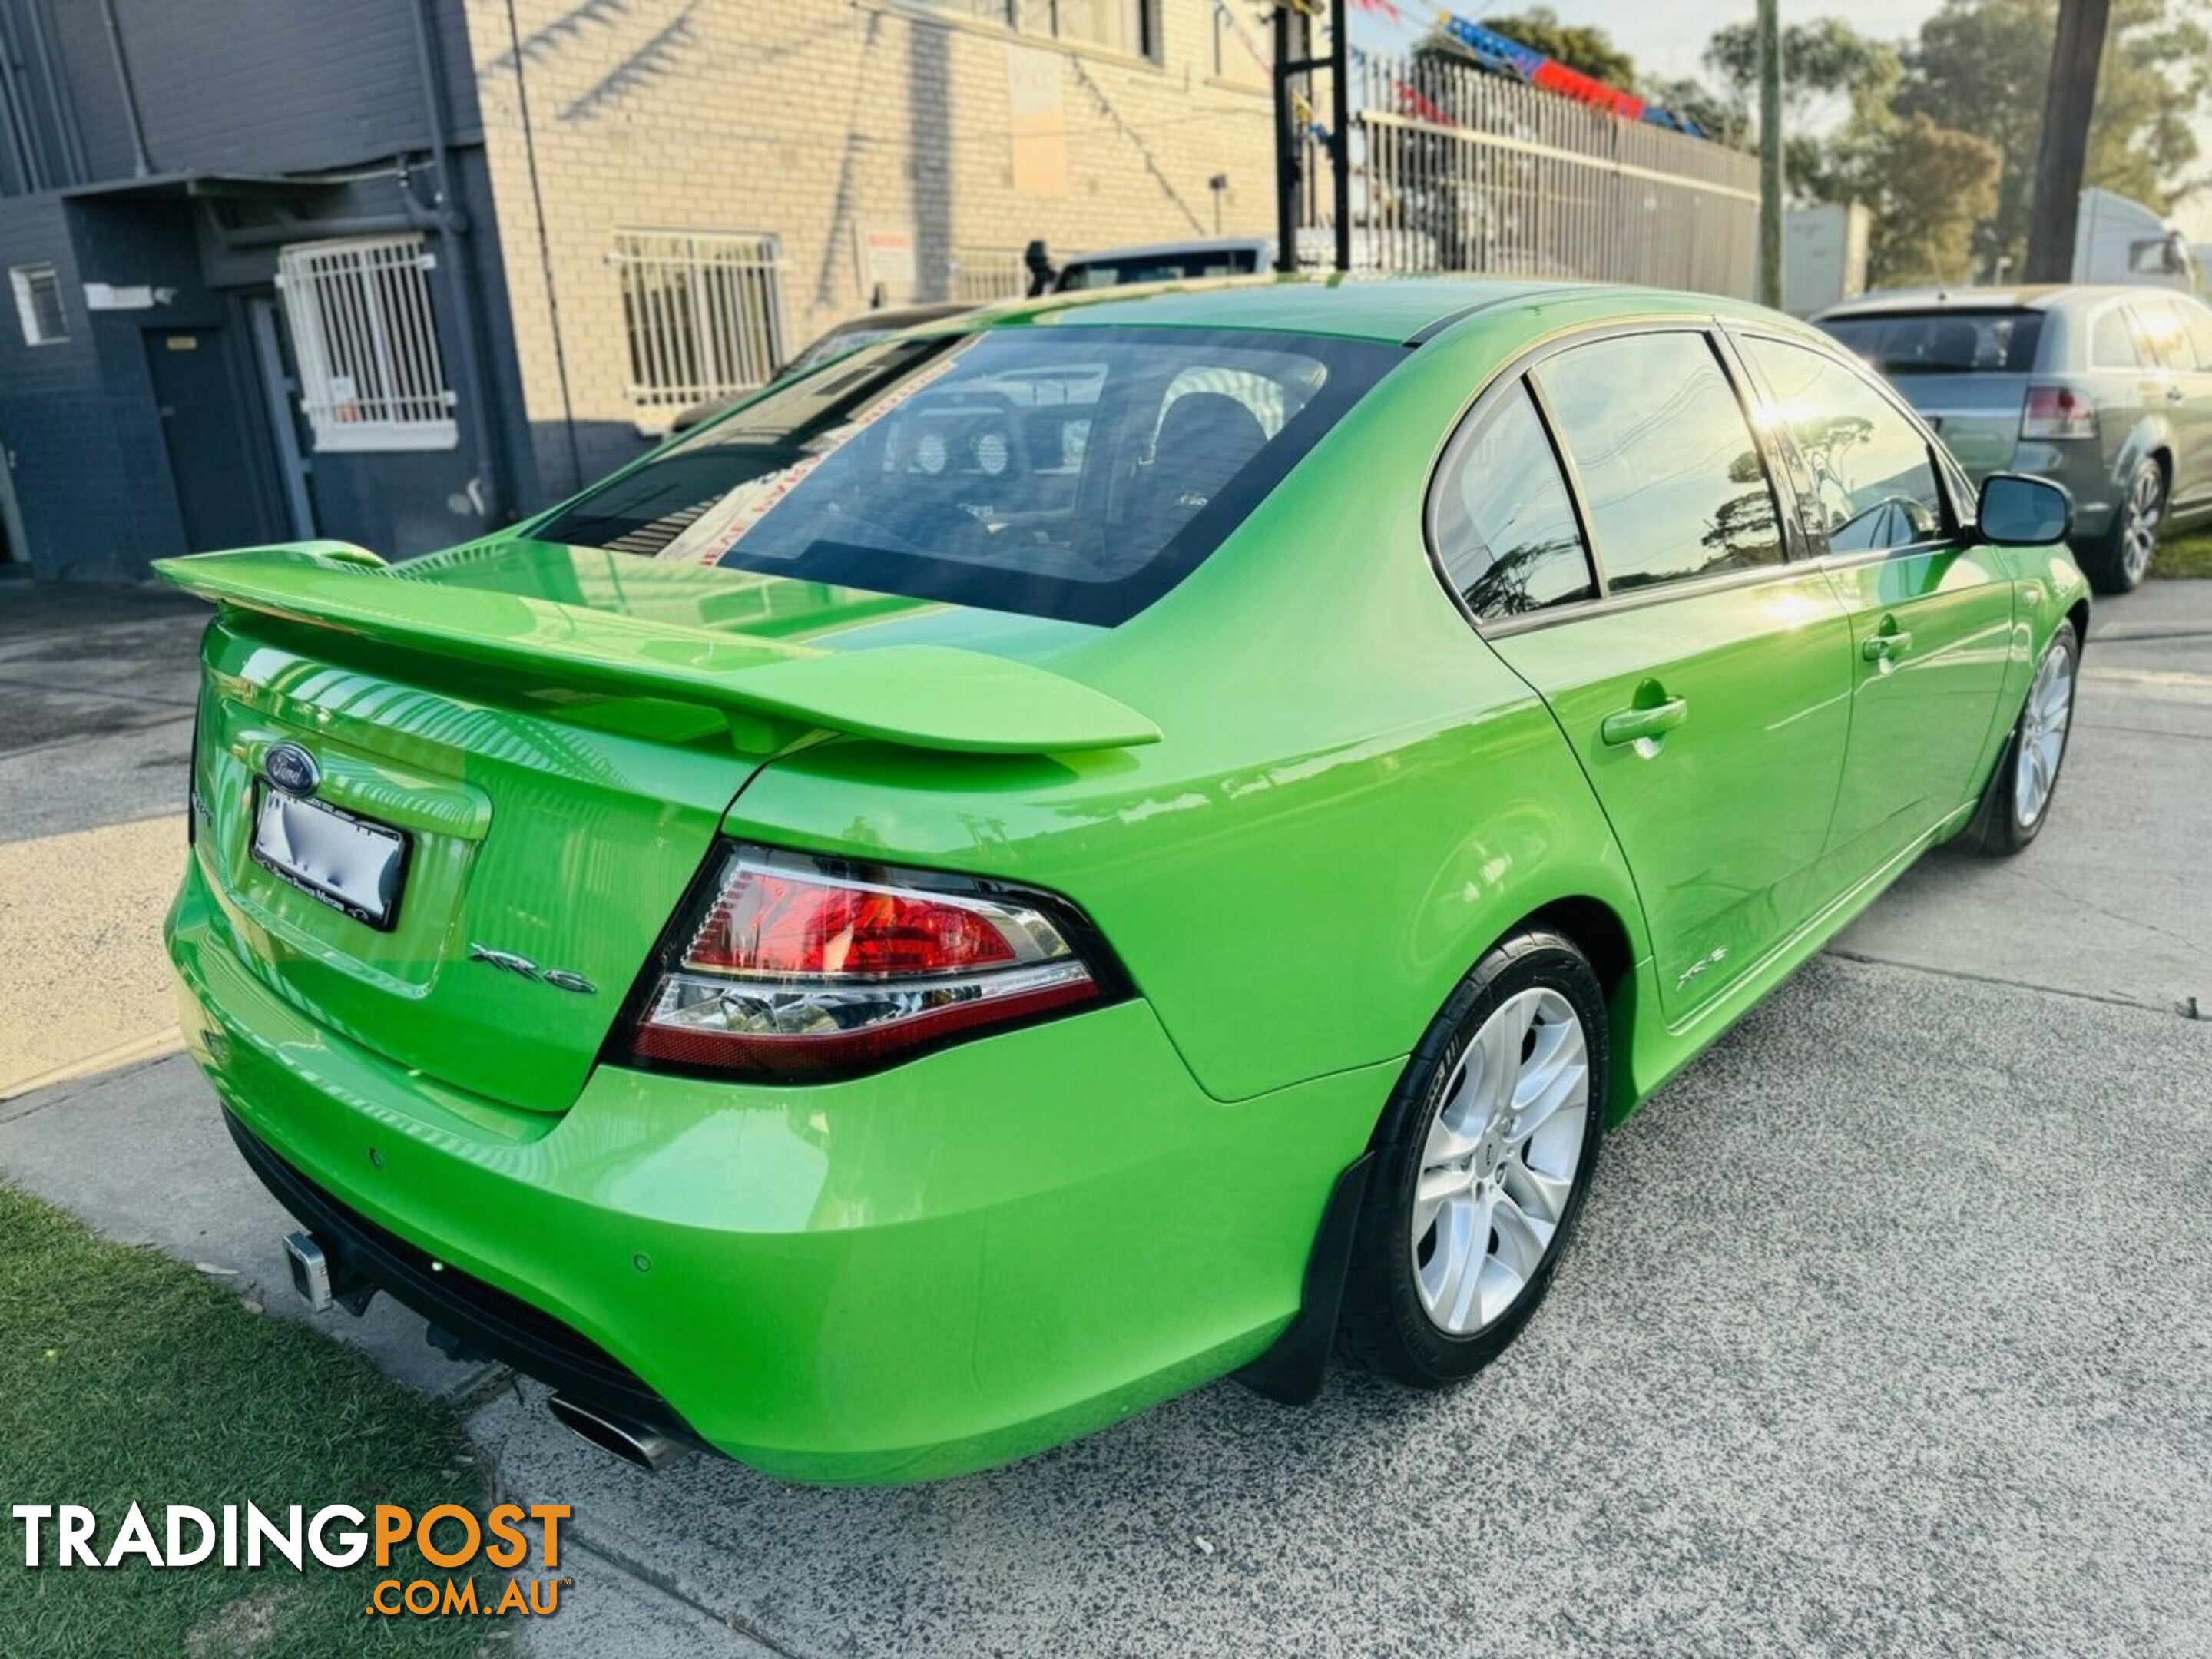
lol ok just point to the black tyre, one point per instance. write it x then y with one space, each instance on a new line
2016 803
2117 560
1483 1159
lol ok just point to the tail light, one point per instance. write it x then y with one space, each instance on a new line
2058 412
781 966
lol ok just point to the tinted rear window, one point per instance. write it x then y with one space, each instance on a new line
1943 341
1158 268
1076 473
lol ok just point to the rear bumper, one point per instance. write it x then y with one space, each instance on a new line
956 1262
2079 465
482 1317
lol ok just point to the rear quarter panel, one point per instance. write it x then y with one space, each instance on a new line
1353 797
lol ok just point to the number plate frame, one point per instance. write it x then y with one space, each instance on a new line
345 897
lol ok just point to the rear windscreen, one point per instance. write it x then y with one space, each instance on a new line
1076 473
1943 341
1188 265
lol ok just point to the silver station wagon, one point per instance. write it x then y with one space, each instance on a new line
2107 391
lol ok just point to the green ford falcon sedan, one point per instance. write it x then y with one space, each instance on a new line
1084 849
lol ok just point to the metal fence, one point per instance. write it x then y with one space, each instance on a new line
371 376
704 314
1457 170
981 275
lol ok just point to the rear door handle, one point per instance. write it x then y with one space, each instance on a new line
1632 725
1880 647
2175 394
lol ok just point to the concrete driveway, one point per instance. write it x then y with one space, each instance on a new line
1888 1329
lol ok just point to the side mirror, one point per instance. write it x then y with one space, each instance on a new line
2018 511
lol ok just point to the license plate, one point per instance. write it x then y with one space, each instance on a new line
351 864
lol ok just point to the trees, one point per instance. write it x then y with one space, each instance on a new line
1992 59
1822 61
1578 46
1930 188
1939 136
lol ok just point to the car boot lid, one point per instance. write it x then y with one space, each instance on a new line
920 696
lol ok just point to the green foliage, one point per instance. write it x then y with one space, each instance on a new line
1723 122
1991 60
1924 122
2184 556
125 1377
1825 58
1579 46
1929 187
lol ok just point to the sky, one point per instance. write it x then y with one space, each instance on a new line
1667 38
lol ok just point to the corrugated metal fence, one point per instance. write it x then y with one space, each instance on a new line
1457 170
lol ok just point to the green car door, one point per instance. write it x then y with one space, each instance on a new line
1702 680
1931 615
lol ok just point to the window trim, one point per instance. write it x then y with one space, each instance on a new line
1958 524
1794 560
1471 427
20 278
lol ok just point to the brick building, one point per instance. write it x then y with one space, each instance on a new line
397 271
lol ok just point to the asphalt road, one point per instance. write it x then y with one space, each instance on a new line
1888 1329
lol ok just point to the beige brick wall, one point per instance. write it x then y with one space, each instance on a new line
818 120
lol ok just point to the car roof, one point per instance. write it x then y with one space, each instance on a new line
2027 296
1396 309
1189 245
891 317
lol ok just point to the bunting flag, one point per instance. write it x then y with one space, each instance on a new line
1410 100
1502 55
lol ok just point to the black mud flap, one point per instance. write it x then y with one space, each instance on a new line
1292 1370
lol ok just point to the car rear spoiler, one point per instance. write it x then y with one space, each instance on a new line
923 696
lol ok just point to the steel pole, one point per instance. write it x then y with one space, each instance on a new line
1286 154
1339 127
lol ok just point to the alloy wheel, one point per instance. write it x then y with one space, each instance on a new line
2043 725
2140 512
1500 1160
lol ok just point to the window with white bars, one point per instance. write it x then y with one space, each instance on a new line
981 275
704 314
39 304
371 376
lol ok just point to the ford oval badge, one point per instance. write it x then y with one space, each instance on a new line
292 769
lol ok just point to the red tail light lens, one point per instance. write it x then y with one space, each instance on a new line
770 920
2058 412
788 967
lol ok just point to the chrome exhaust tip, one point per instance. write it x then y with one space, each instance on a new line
310 1272
648 1449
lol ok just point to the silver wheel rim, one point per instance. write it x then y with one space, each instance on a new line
1500 1160
2043 735
2139 522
